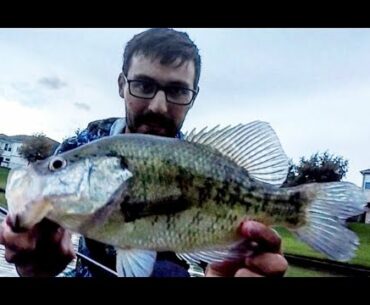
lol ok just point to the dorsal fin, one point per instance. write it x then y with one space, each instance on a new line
254 146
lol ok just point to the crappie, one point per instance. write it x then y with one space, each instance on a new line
152 193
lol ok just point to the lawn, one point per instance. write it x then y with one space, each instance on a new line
363 253
292 245
3 177
294 271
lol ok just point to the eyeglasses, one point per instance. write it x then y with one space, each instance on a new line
147 89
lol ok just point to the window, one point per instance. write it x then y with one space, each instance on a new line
367 185
7 147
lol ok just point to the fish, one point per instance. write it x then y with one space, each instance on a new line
144 194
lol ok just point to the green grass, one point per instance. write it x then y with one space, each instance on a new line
3 201
294 271
292 245
3 178
363 252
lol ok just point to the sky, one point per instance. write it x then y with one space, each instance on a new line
311 85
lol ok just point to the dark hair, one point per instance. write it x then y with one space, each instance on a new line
166 44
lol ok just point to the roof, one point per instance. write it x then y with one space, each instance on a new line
20 138
365 171
13 139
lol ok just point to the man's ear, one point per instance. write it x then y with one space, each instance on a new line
121 85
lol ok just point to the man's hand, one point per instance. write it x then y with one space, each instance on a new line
265 260
44 250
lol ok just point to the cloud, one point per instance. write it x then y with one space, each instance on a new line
82 106
22 119
53 83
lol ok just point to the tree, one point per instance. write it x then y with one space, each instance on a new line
318 168
37 147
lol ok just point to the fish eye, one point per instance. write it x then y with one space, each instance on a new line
57 163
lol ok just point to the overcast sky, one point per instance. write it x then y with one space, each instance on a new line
311 85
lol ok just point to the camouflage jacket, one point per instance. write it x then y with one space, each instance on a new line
167 264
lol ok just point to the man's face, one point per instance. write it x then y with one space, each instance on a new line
155 116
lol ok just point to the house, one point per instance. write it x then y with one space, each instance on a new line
366 187
9 150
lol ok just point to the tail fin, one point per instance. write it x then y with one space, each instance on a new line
325 229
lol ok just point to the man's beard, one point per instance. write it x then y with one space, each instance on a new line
152 123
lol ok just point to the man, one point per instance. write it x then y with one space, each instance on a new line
159 83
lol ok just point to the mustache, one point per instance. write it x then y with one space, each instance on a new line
151 117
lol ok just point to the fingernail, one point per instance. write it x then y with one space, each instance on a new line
247 228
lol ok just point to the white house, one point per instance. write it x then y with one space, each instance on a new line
366 187
9 150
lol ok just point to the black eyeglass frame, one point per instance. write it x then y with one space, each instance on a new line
163 88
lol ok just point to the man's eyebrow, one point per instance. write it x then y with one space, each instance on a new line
176 83
144 77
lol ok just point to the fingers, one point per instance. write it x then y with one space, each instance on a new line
263 256
25 241
63 239
211 272
43 250
226 268
267 239
54 239
1 234
232 271
10 255
265 264
268 264
267 259
18 246
66 245
244 272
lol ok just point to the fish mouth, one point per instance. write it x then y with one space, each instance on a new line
30 216
14 222
22 193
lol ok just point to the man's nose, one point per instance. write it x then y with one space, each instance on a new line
158 103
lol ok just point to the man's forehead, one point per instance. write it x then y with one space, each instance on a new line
141 64
156 60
